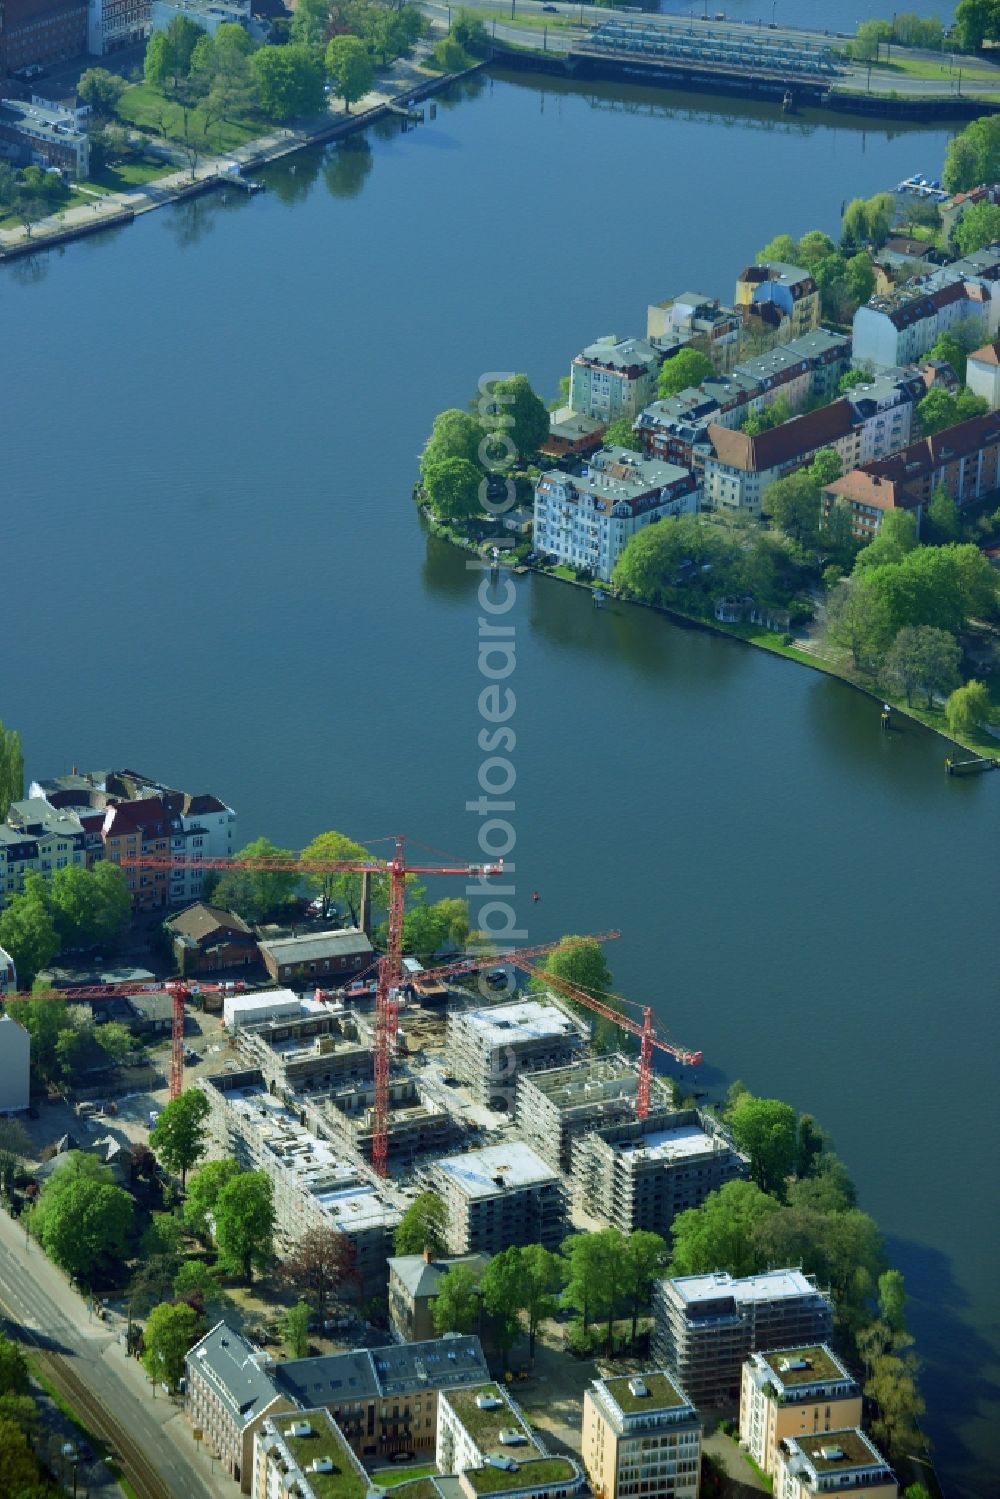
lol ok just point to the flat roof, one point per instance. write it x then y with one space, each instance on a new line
669 1144
346 1480
770 1285
857 1450
485 1426
313 946
821 1365
476 1173
535 1471
525 1020
663 1393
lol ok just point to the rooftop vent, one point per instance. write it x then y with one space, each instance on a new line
488 1402
793 1365
299 1429
322 1465
505 1464
638 1388
512 1438
832 1454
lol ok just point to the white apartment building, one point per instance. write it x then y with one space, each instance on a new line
499 1196
478 1423
613 378
303 1455
897 329
587 520
838 1462
794 1392
113 24
15 1067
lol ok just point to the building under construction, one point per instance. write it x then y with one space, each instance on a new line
315 1186
641 1173
320 1049
489 1047
418 1125
555 1107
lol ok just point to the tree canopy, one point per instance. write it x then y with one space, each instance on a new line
258 893
455 434
203 1194
289 81
424 1226
178 1137
584 965
940 408
922 659
968 708
170 1331
512 408
81 1218
321 1262
456 1305
11 768
719 1235
350 68
688 367
973 155
452 488
767 1130
244 1223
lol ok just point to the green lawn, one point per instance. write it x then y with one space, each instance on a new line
9 220
130 174
922 67
390 1478
144 106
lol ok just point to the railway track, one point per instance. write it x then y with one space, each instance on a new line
139 1471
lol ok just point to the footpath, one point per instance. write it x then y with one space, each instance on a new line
409 79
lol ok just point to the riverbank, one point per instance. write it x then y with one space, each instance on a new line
410 80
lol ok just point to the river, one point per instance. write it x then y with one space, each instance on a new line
215 574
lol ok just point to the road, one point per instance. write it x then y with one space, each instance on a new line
88 1359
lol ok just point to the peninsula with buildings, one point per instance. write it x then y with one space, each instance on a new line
784 467
432 1235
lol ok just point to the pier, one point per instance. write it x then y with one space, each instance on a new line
977 765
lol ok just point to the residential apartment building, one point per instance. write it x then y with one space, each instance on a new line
228 1393
883 412
318 957
305 1456
695 321
385 1400
806 369
44 135
414 1281
37 839
315 1186
982 373
740 467
614 377
208 14
478 1423
794 1392
964 460
897 329
499 1196
41 31
641 1436
780 297
640 1173
556 1107
8 973
315 1052
113 24
587 520
15 1065
489 1047
420 1123
706 1325
838 1462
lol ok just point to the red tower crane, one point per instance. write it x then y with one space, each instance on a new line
648 1039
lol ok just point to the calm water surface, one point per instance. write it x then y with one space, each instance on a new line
214 573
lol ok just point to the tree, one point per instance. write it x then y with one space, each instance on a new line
892 1299
423 1227
258 893
452 489
766 1129
115 1039
513 408
973 156
810 1143
645 1257
295 1329
540 1278
197 1283
867 221
320 1263
456 1305
619 434
244 1223
81 1218
943 586
850 378
967 708
858 618
455 434
44 1020
793 504
181 37
896 535
976 21
427 928
829 1190
310 22
979 226
719 1235
170 1331
15 1149
585 1258
868 39
925 658
156 64
203 1194
28 931
178 1137
470 33
13 1368
332 886
585 967
102 90
940 409
942 514
18 1468
860 277
501 1288
687 368
826 466
781 248
289 81
350 68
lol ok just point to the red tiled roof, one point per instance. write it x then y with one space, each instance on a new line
988 354
794 439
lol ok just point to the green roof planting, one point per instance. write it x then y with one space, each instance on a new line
851 1447
531 1474
485 1426
663 1393
343 1482
820 1365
